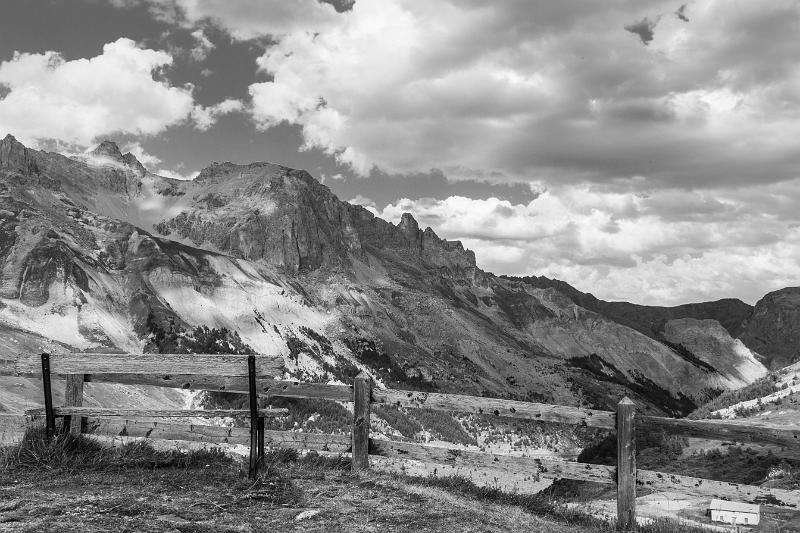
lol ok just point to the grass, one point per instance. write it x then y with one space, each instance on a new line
542 504
92 487
67 452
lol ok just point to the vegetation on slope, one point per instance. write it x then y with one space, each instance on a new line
757 389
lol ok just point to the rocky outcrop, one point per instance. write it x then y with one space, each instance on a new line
264 212
407 240
15 157
773 330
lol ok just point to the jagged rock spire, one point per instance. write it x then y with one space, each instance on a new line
408 224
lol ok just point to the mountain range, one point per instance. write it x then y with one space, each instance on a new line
99 254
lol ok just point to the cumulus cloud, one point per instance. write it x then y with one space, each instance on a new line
245 19
528 90
203 45
658 247
79 100
121 91
205 117
146 159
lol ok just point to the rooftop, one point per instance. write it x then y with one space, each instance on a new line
724 505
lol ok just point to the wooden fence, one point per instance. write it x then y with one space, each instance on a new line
207 374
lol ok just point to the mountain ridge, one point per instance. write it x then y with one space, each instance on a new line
271 254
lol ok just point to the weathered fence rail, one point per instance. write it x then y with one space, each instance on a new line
225 373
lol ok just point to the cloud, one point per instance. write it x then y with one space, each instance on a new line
147 160
203 45
119 91
205 117
657 247
175 174
644 29
245 19
531 91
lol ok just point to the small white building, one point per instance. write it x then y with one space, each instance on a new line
734 513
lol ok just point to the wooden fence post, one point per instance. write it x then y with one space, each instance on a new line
361 399
73 397
626 465
253 397
49 418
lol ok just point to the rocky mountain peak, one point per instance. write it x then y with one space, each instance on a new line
408 224
109 149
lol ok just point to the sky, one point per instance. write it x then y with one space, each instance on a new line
640 150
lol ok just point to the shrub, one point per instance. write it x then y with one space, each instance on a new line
77 452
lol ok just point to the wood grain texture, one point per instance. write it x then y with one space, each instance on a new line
235 384
546 468
721 430
73 397
361 422
154 429
626 464
497 407
164 364
718 489
157 413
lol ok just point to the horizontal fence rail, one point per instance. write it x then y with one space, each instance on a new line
199 364
492 406
156 413
152 429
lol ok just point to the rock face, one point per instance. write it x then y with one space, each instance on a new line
15 157
774 327
98 253
710 344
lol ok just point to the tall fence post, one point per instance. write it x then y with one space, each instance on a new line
361 398
626 465
73 397
49 417
253 397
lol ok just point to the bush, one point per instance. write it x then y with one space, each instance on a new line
311 414
654 449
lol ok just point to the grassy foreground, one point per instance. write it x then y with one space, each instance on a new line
77 484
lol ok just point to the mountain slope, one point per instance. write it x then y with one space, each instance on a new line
774 327
98 253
